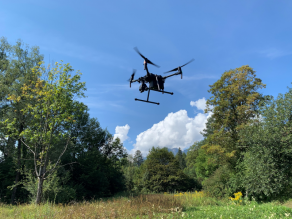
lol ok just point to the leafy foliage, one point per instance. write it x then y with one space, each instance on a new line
266 166
138 158
50 144
234 103
16 63
181 159
161 172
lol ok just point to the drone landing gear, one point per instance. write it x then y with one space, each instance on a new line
148 96
146 101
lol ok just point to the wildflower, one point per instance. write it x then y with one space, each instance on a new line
237 198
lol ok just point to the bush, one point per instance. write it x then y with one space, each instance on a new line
218 184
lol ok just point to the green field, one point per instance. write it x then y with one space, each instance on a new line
186 205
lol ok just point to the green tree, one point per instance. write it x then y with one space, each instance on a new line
161 172
129 170
200 164
191 157
181 159
16 63
234 103
52 114
265 172
7 175
96 161
138 158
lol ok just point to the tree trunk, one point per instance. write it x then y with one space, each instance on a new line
17 171
40 189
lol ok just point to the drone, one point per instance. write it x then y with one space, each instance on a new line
156 82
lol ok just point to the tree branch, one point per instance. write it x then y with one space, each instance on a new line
51 171
33 156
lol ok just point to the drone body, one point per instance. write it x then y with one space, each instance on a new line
156 82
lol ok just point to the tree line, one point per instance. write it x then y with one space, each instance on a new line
52 150
246 146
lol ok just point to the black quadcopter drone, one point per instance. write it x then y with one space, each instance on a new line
156 82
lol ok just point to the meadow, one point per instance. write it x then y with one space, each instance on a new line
179 205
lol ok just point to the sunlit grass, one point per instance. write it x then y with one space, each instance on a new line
147 206
178 205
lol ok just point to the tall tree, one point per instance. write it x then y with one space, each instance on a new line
16 63
94 159
191 157
234 103
52 116
181 159
138 158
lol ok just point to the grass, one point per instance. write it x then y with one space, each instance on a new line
180 205
251 210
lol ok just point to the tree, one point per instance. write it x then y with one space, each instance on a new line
265 172
161 172
16 63
52 114
129 170
96 160
191 156
181 159
138 159
234 103
209 130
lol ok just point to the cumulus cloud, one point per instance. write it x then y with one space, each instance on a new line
200 104
121 132
176 130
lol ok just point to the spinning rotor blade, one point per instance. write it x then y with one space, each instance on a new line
175 69
132 76
147 60
187 62
136 49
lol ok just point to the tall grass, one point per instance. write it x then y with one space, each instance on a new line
147 206
186 205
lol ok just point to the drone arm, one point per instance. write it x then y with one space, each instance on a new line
146 68
171 75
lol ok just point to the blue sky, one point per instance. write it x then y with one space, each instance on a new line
98 37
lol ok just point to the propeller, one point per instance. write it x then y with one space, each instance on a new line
132 76
178 68
147 60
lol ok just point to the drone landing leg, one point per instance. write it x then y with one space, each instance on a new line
147 99
148 94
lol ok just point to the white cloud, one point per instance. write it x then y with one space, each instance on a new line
200 104
273 53
176 130
122 132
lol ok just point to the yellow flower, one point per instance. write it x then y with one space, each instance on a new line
237 197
